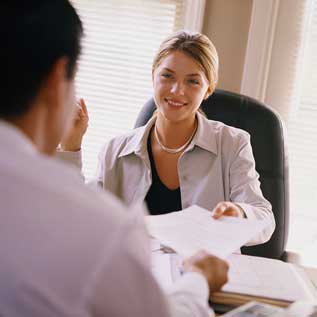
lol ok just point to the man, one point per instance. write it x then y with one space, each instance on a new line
67 250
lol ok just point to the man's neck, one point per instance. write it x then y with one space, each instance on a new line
33 126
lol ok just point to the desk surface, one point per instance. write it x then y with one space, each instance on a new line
312 274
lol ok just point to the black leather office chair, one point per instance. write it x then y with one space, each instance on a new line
267 139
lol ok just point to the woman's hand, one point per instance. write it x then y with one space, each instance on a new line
227 208
72 141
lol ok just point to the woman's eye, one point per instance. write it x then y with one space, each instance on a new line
193 82
166 75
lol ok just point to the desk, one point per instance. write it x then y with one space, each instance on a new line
166 269
312 275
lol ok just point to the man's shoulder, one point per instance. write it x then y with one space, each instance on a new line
60 187
87 197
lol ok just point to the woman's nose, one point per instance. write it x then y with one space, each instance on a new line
177 88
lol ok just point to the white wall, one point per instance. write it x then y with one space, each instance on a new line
226 23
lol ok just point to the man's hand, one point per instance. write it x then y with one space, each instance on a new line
72 141
212 268
227 208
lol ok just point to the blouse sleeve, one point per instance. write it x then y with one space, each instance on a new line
245 189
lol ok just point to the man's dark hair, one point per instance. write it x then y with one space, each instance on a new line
34 34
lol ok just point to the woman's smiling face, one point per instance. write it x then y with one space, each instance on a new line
180 86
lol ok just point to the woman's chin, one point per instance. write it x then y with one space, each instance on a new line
174 116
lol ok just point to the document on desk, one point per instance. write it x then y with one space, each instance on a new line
194 229
264 280
262 277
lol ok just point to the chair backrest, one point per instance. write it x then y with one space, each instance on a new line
268 144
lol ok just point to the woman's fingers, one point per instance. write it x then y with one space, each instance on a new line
219 210
78 113
83 106
81 110
226 208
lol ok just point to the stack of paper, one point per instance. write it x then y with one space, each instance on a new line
194 229
266 280
256 309
250 278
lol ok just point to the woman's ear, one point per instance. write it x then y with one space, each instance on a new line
54 85
209 92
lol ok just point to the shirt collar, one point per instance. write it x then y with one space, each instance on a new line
12 137
205 138
138 142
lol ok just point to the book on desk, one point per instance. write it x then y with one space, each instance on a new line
251 278
257 309
264 280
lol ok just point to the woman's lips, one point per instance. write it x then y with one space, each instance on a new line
175 103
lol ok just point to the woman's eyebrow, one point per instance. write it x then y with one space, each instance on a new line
168 69
187 75
194 75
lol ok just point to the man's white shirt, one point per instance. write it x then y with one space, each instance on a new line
70 250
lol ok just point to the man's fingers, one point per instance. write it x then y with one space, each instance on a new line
214 269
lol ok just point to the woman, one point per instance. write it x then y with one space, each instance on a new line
180 158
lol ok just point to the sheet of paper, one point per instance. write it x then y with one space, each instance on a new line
165 265
162 268
193 229
302 309
263 277
255 309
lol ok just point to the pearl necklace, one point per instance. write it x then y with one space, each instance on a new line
173 151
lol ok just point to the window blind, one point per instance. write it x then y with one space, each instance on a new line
302 128
289 85
114 77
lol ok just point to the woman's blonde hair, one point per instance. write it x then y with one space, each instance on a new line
196 46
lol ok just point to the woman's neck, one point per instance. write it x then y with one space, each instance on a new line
175 134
